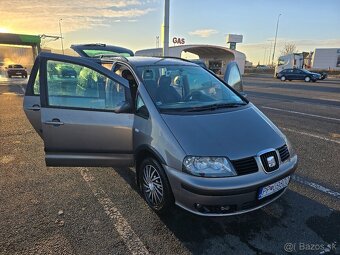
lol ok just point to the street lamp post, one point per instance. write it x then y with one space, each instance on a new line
277 28
270 50
166 28
264 56
61 36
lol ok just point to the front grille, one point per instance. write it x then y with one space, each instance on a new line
245 166
265 163
284 153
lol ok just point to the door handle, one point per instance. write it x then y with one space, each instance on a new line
54 122
34 107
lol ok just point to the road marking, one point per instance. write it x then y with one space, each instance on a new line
322 98
131 240
301 113
316 186
311 135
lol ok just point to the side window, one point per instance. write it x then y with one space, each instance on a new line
76 86
36 85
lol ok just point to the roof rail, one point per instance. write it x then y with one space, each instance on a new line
105 56
165 57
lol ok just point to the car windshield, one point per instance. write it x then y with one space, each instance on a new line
18 66
187 88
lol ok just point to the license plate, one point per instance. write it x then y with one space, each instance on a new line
18 73
272 188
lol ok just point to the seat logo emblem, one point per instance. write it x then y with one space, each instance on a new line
271 161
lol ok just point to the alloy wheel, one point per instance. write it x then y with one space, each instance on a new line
152 186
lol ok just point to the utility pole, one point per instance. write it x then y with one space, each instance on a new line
157 42
166 28
61 37
270 50
277 28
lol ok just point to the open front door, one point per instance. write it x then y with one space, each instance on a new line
32 99
86 117
233 77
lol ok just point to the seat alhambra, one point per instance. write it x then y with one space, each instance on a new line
194 140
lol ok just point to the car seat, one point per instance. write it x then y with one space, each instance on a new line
165 92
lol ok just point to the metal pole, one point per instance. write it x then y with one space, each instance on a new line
166 28
61 36
277 28
270 51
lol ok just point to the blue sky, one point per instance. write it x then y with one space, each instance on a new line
136 23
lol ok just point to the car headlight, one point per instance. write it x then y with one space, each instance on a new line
208 166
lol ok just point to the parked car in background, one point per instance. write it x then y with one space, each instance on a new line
262 67
193 139
323 75
16 70
298 74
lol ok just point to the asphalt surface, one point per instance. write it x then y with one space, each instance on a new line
99 211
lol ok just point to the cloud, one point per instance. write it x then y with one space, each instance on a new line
41 17
203 32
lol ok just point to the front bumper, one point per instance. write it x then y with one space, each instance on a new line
235 195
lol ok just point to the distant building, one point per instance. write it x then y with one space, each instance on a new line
326 58
215 57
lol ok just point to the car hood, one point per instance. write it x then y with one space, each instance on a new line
237 133
317 74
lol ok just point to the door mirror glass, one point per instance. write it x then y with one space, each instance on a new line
233 76
75 86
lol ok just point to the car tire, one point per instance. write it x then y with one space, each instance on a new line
154 186
307 79
283 78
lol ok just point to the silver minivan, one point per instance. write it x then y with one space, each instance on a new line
194 139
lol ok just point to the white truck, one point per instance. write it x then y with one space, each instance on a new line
293 60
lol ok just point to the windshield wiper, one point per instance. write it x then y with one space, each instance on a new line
214 107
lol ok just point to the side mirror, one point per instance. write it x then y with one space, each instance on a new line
125 107
232 76
243 94
143 111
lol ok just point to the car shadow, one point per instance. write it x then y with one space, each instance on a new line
260 231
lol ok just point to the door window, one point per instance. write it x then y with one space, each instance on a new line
234 76
76 86
36 85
